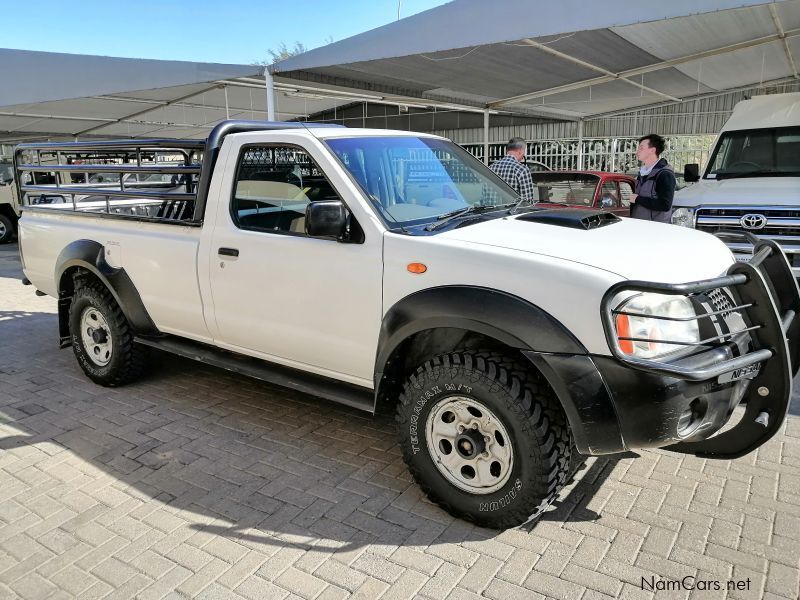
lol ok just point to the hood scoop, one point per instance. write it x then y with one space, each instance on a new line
571 217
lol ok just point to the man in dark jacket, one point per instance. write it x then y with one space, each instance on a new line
655 184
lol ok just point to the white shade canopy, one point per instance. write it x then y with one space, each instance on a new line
569 59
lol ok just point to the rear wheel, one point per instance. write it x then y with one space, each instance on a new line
484 437
6 229
102 339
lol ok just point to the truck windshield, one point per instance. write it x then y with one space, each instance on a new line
416 180
757 153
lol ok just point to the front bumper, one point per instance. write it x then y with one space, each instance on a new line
620 403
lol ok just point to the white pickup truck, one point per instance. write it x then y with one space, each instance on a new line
393 271
752 181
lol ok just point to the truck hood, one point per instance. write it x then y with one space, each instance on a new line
630 248
746 191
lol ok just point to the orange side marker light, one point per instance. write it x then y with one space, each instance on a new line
623 331
416 268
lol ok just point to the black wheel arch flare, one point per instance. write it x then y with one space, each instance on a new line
90 256
520 325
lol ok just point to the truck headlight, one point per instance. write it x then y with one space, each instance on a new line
646 323
683 217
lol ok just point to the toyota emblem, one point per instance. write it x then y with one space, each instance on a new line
753 221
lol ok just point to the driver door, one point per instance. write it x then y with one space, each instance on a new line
278 293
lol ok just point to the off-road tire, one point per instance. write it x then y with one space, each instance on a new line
524 403
128 360
6 229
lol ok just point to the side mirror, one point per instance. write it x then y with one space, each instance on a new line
691 172
606 202
326 218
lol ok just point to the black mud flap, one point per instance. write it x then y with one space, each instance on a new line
776 301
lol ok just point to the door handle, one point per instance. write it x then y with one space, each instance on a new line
228 252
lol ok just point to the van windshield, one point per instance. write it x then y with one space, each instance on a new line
414 180
757 153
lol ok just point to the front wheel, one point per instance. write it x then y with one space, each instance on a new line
484 437
101 337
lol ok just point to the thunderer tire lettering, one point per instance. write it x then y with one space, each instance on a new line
414 420
502 502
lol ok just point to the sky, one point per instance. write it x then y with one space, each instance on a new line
236 31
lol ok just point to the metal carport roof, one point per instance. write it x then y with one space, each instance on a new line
569 59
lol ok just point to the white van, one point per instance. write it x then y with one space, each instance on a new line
752 181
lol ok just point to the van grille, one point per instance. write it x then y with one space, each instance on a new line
782 226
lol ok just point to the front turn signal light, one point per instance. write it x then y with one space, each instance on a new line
624 331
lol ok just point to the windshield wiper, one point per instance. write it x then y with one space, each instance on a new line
518 205
446 218
376 201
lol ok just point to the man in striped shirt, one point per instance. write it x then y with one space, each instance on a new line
512 169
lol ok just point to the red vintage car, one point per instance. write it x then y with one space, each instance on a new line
585 189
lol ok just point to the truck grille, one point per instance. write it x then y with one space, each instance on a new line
721 301
782 225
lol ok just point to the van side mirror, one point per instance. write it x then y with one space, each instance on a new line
326 218
691 172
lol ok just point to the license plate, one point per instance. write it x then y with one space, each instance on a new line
743 373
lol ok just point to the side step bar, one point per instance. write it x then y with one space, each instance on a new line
308 383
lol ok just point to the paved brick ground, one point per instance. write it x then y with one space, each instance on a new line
200 483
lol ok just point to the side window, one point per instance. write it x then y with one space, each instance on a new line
609 198
626 191
273 187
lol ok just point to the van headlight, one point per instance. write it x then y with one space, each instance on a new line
645 324
683 217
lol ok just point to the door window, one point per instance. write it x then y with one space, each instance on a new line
609 197
273 187
626 191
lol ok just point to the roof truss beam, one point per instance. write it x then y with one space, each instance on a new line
624 75
138 113
779 26
389 99
588 65
52 116
646 107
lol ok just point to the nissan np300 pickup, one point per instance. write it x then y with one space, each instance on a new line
392 270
